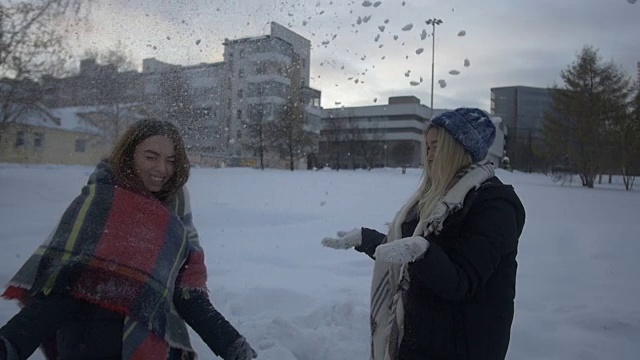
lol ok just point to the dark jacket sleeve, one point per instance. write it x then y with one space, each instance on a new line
370 240
198 311
39 319
491 230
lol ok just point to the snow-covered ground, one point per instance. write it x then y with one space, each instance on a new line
578 290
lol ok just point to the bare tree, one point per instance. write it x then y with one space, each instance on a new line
31 44
287 133
402 153
255 126
115 110
174 103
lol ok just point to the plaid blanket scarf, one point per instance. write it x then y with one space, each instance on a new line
124 252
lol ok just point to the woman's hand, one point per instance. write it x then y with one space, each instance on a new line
403 250
345 240
240 350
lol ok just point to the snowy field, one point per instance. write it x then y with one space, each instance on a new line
578 290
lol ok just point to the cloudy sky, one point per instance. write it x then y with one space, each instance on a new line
365 51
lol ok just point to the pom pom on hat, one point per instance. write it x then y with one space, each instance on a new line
471 127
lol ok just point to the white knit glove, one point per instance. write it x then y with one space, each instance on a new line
345 239
403 250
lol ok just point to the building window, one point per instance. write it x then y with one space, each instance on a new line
241 73
20 139
240 93
81 145
38 139
239 114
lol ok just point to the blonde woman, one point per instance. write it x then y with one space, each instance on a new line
444 276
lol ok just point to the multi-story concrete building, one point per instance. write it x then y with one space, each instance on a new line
256 78
522 110
264 71
382 135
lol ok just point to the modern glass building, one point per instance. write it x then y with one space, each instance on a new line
522 110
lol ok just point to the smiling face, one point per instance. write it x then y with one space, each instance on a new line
153 162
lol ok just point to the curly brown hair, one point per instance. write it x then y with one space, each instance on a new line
121 157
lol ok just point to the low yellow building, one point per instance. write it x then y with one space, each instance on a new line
52 136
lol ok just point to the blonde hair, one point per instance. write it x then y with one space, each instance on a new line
449 158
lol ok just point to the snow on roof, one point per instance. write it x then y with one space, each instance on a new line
64 118
71 118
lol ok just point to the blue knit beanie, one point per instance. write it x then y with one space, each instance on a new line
471 127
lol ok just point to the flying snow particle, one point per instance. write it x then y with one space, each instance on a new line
419 51
407 27
359 21
462 33
381 28
386 21
377 3
423 34
338 103
380 46
408 73
442 84
366 3
631 1
382 58
198 42
356 81
377 38
467 63
304 23
395 37
403 3
321 12
366 19
168 37
414 83
326 42
454 72
375 100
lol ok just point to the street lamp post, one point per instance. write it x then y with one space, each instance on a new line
385 154
433 22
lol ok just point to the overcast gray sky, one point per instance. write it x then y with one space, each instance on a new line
507 42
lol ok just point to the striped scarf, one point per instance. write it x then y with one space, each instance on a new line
124 252
391 281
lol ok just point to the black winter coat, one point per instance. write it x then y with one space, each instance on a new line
460 302
86 332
